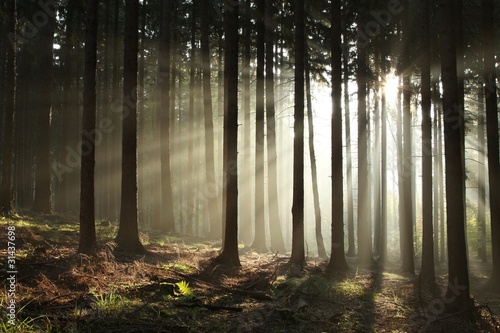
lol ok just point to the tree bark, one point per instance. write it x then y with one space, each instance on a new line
246 194
365 255
42 202
407 223
7 190
337 256
457 259
314 172
490 91
427 273
298 250
229 255
128 232
167 211
259 242
87 201
351 247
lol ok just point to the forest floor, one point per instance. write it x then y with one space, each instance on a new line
178 288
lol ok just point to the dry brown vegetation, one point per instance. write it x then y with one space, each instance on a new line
112 291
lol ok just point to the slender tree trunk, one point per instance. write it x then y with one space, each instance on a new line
229 254
141 164
351 247
337 256
437 177
490 90
167 210
213 202
427 273
277 243
116 135
7 190
365 256
87 200
246 194
43 194
457 261
314 172
259 242
128 232
298 250
383 176
407 223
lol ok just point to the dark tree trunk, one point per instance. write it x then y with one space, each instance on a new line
259 242
312 158
437 176
87 200
246 194
116 135
427 273
337 256
408 264
167 211
277 243
43 194
128 232
458 277
213 202
229 254
351 247
490 90
7 191
298 250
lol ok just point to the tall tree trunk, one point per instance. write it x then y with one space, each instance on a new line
229 254
427 273
141 164
167 210
407 223
481 179
298 250
259 242
87 201
246 194
213 202
43 194
128 232
351 247
277 243
437 176
490 90
458 276
314 172
7 191
365 256
114 199
337 256
383 176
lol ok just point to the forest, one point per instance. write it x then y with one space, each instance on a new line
249 166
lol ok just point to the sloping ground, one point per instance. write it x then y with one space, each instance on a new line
177 288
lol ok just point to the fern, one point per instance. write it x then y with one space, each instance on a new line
184 289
